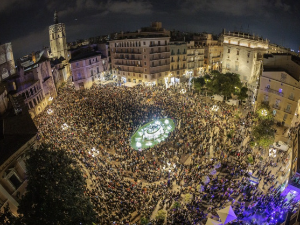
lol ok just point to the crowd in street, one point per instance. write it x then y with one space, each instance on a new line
202 165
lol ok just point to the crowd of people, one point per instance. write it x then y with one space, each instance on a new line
200 168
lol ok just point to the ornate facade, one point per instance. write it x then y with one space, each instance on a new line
242 54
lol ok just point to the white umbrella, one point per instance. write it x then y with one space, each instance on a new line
227 214
212 222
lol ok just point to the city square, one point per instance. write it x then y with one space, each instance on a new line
109 117
197 159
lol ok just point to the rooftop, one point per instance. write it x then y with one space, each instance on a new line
84 55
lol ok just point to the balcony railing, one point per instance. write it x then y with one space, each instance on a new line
276 106
287 111
274 91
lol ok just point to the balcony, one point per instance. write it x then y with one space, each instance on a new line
273 91
276 106
288 111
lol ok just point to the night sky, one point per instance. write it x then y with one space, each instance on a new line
25 23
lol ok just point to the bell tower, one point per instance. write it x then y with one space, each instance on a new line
57 36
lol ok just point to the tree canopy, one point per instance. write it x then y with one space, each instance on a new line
263 132
224 84
55 190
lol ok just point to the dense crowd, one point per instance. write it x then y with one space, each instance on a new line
202 165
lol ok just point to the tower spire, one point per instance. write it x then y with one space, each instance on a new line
55 18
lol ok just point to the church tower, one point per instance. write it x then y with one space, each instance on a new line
58 43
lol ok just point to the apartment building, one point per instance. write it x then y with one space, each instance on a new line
178 61
141 60
280 87
195 59
86 68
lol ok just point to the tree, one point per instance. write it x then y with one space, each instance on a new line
243 93
224 84
161 215
198 83
176 205
144 221
263 134
55 190
6 217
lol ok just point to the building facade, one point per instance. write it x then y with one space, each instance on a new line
58 41
87 68
280 87
195 59
213 51
178 61
242 54
7 62
35 85
141 60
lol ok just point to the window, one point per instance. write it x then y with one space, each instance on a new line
145 76
285 117
248 54
77 64
227 66
90 62
144 43
15 181
145 56
145 63
228 50
236 67
145 70
237 52
92 72
266 98
144 50
268 86
97 69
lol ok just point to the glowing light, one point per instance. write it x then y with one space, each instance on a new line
166 121
50 98
65 126
49 111
215 108
157 122
149 143
264 112
138 144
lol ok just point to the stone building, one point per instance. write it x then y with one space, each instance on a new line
280 87
59 52
58 41
213 51
141 60
34 83
195 59
86 68
7 62
243 54
178 61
